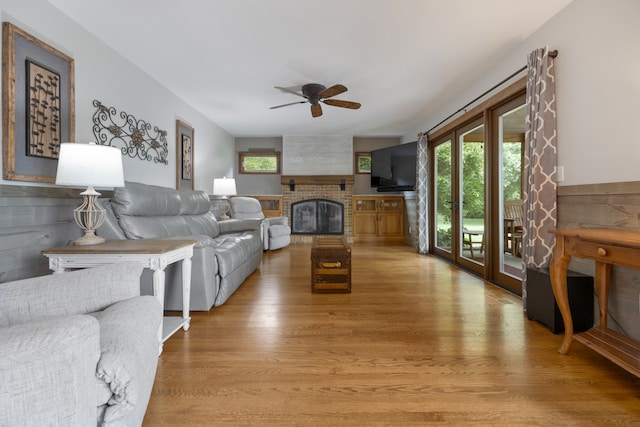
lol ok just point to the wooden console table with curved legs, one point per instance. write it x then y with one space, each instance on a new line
607 247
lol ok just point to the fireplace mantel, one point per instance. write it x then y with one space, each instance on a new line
316 179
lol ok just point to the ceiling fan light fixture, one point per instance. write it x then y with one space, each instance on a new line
314 93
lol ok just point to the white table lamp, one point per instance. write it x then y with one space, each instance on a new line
89 165
224 187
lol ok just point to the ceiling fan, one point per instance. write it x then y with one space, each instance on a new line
316 93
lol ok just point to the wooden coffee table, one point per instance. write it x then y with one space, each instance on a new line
330 266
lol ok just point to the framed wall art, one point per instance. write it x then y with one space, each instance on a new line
184 156
363 162
38 106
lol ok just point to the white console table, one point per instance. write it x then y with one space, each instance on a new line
151 253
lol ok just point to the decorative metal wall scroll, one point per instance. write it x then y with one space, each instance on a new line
132 136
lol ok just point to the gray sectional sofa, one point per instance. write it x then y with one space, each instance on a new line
227 252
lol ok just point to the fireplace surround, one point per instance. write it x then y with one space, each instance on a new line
327 187
317 217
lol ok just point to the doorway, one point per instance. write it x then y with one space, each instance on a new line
459 196
508 123
477 188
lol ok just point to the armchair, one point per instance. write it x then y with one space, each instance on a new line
276 232
78 348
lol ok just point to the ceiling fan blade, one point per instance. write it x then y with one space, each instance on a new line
286 89
285 105
316 110
343 104
332 91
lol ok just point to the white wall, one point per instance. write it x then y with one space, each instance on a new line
597 83
102 74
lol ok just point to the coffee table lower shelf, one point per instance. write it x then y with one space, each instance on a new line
616 347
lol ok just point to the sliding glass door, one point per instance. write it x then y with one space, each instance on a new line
509 122
459 196
444 202
478 191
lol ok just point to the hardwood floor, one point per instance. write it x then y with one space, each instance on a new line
417 342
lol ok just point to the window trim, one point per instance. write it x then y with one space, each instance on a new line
244 154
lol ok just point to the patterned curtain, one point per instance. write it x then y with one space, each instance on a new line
422 199
539 162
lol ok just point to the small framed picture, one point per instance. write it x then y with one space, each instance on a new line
184 156
363 162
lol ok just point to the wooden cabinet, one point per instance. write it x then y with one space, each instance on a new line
375 216
271 205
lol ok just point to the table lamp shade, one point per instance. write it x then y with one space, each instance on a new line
89 164
224 187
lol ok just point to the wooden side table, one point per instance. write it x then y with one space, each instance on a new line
151 253
607 247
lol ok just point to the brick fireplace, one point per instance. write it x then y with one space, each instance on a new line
337 188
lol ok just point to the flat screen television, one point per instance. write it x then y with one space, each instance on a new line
394 168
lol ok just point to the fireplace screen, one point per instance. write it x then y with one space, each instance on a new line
317 216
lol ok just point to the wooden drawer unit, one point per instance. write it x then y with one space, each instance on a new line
330 266
376 216
598 251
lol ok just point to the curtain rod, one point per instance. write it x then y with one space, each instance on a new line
552 53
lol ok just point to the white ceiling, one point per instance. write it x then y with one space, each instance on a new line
396 57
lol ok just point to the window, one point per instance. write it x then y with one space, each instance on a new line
260 162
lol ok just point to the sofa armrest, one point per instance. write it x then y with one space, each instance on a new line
76 292
48 372
279 220
237 225
129 354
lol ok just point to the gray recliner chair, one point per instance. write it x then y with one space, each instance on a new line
78 349
276 232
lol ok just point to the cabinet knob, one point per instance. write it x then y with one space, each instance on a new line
602 252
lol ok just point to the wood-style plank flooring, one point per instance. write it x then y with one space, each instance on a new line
417 342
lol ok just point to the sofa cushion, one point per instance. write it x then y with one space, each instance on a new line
135 199
205 223
47 372
245 208
194 202
159 227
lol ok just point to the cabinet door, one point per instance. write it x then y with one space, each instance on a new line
364 224
390 225
364 205
391 204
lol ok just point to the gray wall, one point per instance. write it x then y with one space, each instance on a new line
103 74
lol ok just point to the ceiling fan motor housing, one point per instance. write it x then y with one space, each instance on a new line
312 92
